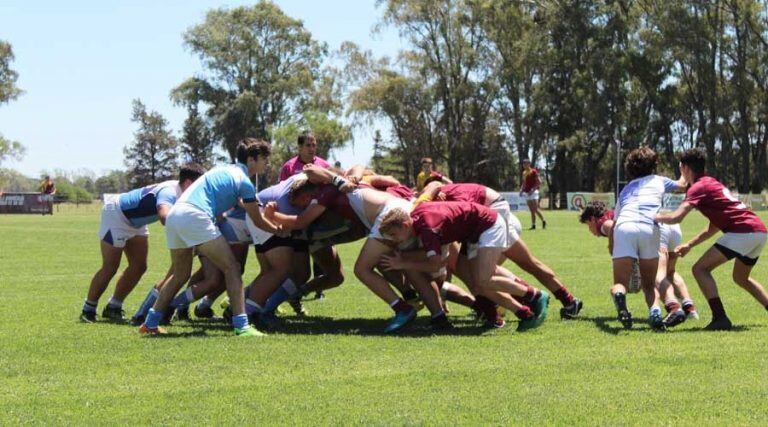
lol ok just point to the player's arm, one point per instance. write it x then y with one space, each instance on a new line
381 181
356 173
162 212
318 175
677 216
298 222
703 235
414 262
610 235
253 211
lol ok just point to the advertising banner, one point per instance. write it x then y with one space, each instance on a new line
516 203
577 201
25 203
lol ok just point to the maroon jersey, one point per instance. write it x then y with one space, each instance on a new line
607 216
440 223
400 191
530 180
336 201
474 193
723 210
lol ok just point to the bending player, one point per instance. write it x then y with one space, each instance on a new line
191 224
518 251
743 239
124 229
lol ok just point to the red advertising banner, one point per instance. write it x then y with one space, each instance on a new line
25 203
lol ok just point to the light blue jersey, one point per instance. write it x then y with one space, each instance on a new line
140 205
281 194
219 189
641 199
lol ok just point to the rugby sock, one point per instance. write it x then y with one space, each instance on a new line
153 318
483 306
409 294
400 306
90 306
240 321
688 305
671 305
206 302
654 311
183 299
620 301
524 313
114 302
565 297
441 313
251 307
285 291
718 311
531 294
148 302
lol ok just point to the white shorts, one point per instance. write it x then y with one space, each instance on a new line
514 227
494 237
391 204
532 195
235 231
670 237
636 240
187 226
115 229
744 246
258 236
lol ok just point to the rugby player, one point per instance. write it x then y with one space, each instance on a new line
124 229
743 239
191 224
518 251
482 231
636 235
529 190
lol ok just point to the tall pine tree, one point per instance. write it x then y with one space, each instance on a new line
152 156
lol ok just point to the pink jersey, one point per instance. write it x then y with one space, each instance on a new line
295 165
723 210
607 216
336 201
474 193
440 223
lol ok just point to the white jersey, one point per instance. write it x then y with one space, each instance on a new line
641 199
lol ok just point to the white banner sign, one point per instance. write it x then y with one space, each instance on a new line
516 202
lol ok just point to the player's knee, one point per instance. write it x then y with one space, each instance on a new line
139 267
698 270
741 280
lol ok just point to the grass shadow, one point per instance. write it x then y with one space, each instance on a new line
323 325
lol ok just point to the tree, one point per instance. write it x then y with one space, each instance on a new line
10 150
8 77
152 156
197 142
260 70
113 182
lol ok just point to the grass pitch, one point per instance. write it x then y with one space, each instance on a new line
335 367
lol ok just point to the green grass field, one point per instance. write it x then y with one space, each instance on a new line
335 367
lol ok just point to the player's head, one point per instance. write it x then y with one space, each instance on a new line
307 145
188 173
253 153
47 178
526 164
592 214
640 162
693 164
301 192
426 164
396 226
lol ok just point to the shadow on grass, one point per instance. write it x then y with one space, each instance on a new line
610 325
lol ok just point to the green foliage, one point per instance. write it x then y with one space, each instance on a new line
197 142
68 192
152 156
115 181
260 65
8 89
10 150
11 180
336 368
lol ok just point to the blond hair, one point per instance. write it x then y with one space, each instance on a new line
395 218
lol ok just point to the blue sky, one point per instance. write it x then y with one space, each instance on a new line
81 63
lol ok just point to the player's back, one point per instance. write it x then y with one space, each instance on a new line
218 190
140 205
641 199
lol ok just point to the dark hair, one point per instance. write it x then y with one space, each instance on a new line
251 147
640 162
526 160
594 209
300 187
426 160
304 137
190 171
696 159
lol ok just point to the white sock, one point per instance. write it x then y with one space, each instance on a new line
114 302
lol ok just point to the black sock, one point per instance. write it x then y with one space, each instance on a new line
620 301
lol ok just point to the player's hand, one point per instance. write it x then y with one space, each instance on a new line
269 210
683 250
354 179
440 196
348 187
392 262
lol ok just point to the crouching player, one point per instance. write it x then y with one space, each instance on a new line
124 229
484 233
744 235
191 224
599 219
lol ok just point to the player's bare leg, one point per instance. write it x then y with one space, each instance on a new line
110 262
136 251
622 270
